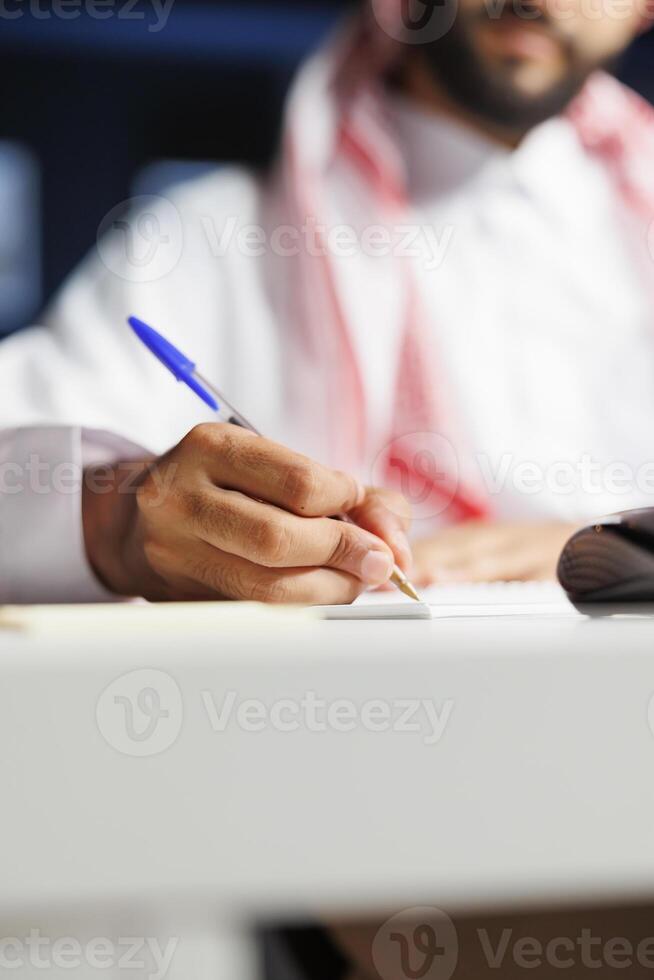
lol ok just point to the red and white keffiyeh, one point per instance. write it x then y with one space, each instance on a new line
337 111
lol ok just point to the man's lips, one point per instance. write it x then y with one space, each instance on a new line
513 37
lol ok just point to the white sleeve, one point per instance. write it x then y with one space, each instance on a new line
42 554
83 366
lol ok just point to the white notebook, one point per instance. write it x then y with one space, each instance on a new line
444 601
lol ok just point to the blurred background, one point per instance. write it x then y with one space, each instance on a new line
105 99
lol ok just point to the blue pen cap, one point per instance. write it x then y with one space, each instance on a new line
177 363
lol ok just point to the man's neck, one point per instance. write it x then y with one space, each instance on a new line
417 82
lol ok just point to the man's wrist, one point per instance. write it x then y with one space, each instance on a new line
108 517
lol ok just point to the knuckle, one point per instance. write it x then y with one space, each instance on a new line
347 541
224 580
229 446
199 508
265 588
351 487
205 435
214 439
271 543
206 571
299 485
235 582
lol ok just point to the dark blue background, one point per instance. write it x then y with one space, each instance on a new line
96 100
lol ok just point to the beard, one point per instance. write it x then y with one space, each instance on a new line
490 92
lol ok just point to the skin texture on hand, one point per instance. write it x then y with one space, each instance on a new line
230 515
479 551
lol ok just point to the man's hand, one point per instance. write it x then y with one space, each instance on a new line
227 514
478 551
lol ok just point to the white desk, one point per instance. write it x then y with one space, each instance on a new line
542 785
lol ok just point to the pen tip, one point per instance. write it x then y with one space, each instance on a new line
401 581
409 590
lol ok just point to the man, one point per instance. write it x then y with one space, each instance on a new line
443 285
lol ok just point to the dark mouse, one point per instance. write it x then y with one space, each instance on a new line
612 560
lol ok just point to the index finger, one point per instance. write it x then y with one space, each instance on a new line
387 515
266 470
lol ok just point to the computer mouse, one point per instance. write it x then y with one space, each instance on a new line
611 560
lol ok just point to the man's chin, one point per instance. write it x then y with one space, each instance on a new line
516 110
526 89
536 82
513 94
515 100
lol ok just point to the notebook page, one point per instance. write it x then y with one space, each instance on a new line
466 599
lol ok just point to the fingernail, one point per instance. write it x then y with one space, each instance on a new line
376 568
361 492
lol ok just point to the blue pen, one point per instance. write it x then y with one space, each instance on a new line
184 369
